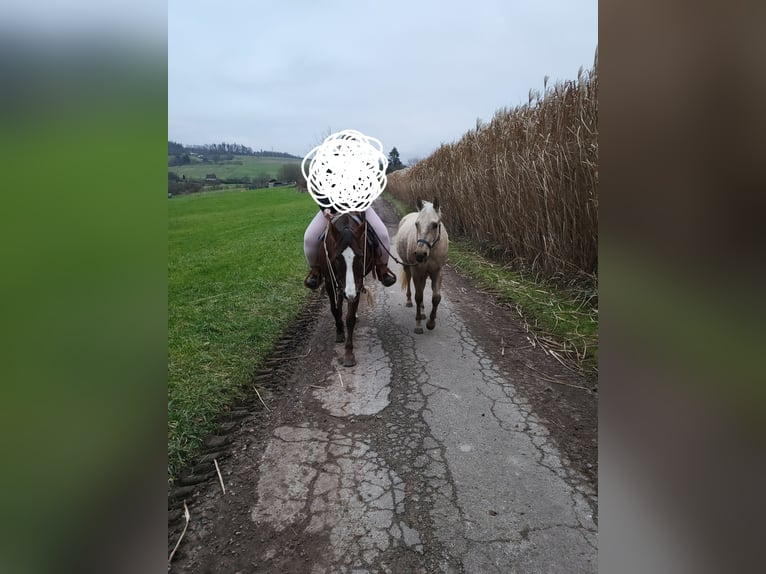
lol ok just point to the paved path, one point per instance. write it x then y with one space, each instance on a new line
421 458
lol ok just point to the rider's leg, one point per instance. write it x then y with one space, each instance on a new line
381 260
311 248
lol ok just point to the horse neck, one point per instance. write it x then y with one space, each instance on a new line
346 225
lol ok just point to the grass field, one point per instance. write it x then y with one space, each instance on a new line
241 166
235 280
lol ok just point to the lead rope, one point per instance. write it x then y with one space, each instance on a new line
364 255
365 290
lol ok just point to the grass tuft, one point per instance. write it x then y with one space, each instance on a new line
562 321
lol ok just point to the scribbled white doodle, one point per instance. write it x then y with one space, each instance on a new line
347 171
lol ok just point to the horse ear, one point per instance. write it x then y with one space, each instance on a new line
436 203
419 203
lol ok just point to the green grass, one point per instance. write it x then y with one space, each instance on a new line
560 319
240 166
235 281
711 340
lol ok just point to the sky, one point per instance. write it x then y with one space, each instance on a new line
415 74
134 20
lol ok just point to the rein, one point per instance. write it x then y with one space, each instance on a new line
364 256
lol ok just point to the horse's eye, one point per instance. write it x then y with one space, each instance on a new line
434 225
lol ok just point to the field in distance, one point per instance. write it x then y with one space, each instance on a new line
254 167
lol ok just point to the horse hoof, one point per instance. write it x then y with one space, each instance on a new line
419 330
430 325
349 362
408 304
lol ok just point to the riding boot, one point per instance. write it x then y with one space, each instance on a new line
385 275
313 278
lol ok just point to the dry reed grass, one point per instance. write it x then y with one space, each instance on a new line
525 184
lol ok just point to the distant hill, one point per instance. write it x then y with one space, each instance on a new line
257 169
214 152
194 168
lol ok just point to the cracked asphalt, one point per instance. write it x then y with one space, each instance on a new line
423 457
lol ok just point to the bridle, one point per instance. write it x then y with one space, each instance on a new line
431 244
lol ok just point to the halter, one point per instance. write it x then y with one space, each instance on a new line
431 244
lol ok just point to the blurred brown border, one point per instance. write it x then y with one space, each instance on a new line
682 195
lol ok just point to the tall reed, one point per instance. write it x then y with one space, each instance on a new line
525 184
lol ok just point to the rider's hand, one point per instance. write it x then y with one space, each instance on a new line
327 214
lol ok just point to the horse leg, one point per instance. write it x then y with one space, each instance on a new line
407 276
436 288
336 306
420 283
348 358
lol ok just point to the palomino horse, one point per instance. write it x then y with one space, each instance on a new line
422 243
345 258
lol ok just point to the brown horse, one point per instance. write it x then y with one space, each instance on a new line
422 243
345 258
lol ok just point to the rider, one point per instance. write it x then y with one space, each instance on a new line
314 231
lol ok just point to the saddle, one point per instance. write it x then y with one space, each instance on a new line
372 237
379 270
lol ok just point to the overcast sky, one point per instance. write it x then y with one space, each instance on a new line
415 74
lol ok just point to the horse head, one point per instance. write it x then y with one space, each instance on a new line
428 228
